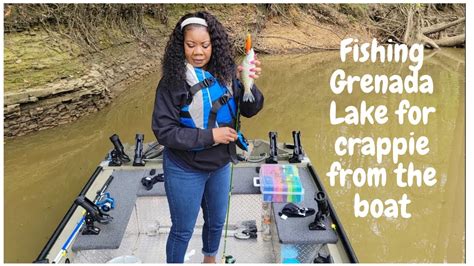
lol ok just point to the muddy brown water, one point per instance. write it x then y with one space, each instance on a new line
44 172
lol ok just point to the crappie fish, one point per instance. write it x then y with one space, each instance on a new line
248 65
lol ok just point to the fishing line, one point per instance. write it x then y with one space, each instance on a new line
237 124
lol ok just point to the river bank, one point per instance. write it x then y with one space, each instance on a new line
50 79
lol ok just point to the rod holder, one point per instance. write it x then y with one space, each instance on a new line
138 158
298 153
93 214
323 212
273 159
119 151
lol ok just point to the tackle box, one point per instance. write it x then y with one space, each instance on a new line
280 183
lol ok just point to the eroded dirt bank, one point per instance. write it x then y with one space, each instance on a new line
52 79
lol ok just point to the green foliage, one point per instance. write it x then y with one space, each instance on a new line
28 62
354 10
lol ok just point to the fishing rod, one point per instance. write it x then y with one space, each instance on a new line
79 224
229 258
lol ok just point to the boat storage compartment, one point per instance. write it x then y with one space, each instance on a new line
293 242
280 183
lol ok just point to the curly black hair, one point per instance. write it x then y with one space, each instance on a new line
221 64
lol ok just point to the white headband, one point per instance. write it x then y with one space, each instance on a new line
193 20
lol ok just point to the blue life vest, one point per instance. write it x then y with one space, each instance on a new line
209 104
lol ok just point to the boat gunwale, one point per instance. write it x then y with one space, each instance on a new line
339 228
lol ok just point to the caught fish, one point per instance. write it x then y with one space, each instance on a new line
248 65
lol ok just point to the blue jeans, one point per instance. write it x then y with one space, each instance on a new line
187 190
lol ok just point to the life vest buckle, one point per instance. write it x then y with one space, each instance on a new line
207 82
224 99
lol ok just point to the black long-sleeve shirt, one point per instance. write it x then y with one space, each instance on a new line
180 140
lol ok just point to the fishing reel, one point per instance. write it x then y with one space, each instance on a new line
229 259
242 142
106 202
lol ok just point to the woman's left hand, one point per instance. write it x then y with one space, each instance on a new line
257 70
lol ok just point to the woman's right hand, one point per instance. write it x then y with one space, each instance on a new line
224 135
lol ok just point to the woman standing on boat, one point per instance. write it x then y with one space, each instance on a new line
197 105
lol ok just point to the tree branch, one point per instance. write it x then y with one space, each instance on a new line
452 41
314 47
441 26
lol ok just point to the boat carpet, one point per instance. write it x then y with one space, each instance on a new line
295 230
123 189
242 179
126 187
